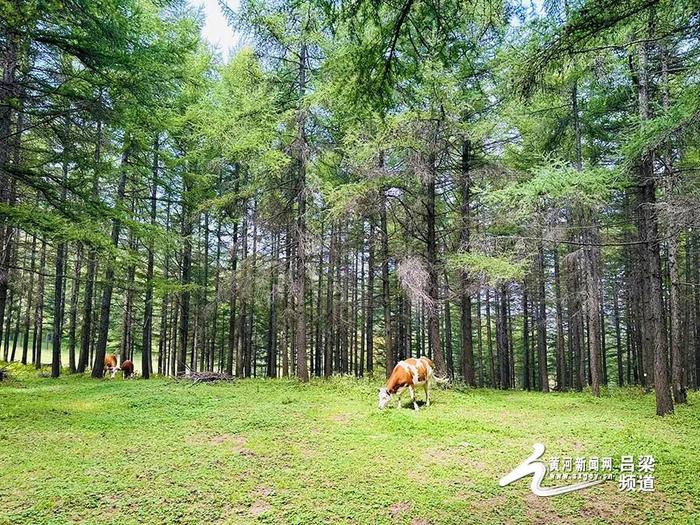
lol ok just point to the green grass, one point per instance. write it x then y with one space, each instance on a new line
76 450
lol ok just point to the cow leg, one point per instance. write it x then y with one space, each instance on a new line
412 392
426 386
399 393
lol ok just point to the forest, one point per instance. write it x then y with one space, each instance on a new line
511 189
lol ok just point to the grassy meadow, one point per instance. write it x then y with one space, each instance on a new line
77 450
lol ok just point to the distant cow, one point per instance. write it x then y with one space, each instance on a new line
127 369
408 375
110 365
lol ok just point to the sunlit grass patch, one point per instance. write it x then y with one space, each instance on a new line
76 450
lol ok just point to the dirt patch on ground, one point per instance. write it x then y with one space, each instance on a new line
442 456
452 456
475 464
608 503
396 509
419 521
109 508
260 504
264 491
488 504
259 507
342 419
540 511
234 442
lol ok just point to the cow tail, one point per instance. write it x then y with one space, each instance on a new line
442 380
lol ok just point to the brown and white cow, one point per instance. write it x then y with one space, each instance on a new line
127 369
110 365
407 375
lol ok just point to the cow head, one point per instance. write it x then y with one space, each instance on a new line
384 398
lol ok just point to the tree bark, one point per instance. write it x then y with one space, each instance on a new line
186 235
541 310
39 312
73 315
106 305
59 303
561 355
593 293
8 93
299 285
386 299
467 354
526 342
649 234
433 296
148 313
272 320
369 314
28 311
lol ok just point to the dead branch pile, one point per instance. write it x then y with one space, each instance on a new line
204 377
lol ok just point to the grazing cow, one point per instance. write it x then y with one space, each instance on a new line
127 369
408 374
110 365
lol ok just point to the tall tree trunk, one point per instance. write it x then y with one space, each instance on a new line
233 299
15 337
369 314
39 312
105 307
541 309
164 335
673 242
593 293
73 315
479 342
319 309
30 299
526 342
272 320
448 340
300 258
330 309
386 298
696 301
8 92
502 337
618 338
434 306
286 305
489 340
88 296
651 256
186 277
561 356
59 302
241 331
250 357
467 354
215 313
128 319
148 312
575 320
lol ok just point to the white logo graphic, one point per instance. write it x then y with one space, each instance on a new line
538 470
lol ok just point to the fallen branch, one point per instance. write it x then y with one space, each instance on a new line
204 377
